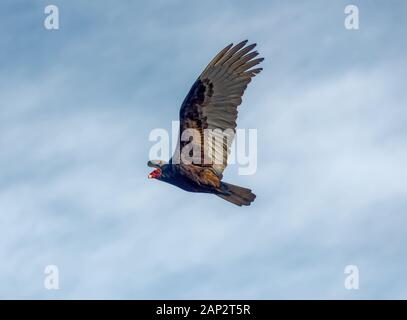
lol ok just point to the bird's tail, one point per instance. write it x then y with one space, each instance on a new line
237 195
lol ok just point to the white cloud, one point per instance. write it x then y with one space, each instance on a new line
330 181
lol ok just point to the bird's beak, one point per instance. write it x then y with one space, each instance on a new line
150 176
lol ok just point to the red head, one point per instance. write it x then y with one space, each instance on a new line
155 174
159 165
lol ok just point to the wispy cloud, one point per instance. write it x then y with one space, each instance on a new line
78 105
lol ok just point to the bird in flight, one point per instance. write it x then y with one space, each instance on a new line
208 125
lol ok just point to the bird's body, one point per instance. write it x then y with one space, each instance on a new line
208 117
172 174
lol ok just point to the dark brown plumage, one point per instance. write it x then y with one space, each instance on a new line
208 119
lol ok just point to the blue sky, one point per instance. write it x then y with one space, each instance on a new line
78 104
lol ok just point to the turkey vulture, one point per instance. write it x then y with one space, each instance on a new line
208 114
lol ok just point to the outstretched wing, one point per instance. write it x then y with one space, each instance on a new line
212 104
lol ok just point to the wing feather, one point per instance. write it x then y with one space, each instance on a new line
210 108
